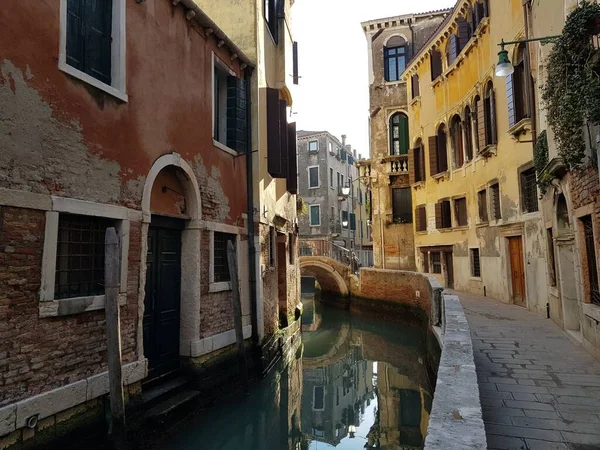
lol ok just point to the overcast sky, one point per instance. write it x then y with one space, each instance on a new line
333 93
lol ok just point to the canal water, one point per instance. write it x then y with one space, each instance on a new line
358 382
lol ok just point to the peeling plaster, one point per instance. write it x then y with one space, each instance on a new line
215 204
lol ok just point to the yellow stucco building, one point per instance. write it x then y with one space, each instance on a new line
477 220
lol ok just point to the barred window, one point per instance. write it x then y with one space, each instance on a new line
495 201
221 265
592 267
436 262
529 200
80 256
475 263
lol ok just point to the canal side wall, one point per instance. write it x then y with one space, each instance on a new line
455 421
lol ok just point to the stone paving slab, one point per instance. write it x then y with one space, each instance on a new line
538 389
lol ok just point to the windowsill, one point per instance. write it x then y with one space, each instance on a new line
521 127
482 26
445 230
476 279
223 147
415 100
422 233
461 227
75 305
482 224
220 286
591 310
393 83
314 187
315 226
418 185
440 176
313 151
487 151
92 81
437 81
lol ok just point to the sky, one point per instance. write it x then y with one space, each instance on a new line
333 93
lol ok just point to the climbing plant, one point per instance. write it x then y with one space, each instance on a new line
540 160
572 90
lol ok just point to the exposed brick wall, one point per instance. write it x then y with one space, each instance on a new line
38 355
270 285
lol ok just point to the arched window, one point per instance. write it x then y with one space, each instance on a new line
451 49
464 32
491 136
456 130
468 133
414 86
438 156
395 55
399 134
419 161
516 90
436 64
478 123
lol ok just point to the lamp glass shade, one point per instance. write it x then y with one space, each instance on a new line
346 190
504 67
351 429
344 223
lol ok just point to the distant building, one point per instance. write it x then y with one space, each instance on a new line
326 166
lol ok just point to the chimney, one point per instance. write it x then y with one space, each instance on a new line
354 153
343 141
360 156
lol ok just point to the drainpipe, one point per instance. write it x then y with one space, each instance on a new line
250 213
412 39
528 80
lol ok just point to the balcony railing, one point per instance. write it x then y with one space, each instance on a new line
323 247
398 165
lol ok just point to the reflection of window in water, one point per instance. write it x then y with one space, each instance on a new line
410 418
318 398
318 432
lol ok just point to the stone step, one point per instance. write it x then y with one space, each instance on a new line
163 389
171 404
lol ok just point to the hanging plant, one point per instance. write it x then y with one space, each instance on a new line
572 87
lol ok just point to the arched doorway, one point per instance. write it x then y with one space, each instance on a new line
171 279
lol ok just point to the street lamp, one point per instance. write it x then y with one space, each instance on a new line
504 67
351 431
345 223
346 189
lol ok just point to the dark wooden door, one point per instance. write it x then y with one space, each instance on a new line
517 270
449 270
162 302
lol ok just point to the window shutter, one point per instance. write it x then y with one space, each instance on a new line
464 34
442 152
414 84
436 64
75 36
237 114
510 99
404 138
274 160
411 165
480 12
453 48
292 179
283 138
295 63
494 133
98 42
352 221
481 124
438 215
433 155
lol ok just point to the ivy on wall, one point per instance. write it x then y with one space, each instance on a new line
572 90
540 160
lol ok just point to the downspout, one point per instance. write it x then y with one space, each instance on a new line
250 213
528 78
411 46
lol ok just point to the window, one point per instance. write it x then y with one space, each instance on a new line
489 111
460 212
401 205
456 135
495 201
229 108
330 146
331 177
399 134
291 247
529 195
273 9
343 155
93 43
313 146
80 256
516 90
436 64
475 263
419 161
414 86
281 141
221 264
590 253
425 256
452 49
464 33
313 177
551 260
421 214
443 215
438 155
272 246
482 204
352 222
478 124
338 180
318 398
436 262
394 57
315 215
342 180
345 219
468 134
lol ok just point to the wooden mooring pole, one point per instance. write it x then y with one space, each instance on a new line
237 312
116 430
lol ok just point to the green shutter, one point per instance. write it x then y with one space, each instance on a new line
98 39
404 139
237 114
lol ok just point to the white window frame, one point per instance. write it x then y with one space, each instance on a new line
218 62
220 286
51 307
310 215
316 149
118 87
318 177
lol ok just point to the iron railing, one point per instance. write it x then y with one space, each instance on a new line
324 247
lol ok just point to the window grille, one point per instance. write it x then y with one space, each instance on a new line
495 200
529 197
401 205
436 262
475 263
221 265
80 256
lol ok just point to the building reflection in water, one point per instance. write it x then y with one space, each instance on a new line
365 384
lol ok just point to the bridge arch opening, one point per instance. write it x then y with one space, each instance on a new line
329 279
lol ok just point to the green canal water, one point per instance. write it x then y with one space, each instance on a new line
358 381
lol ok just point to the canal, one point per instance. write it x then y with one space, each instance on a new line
358 381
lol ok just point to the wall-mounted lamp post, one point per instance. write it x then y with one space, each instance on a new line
504 67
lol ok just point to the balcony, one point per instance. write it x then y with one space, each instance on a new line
398 219
397 164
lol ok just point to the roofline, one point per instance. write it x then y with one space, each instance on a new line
436 12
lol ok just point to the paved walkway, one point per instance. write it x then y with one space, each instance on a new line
538 389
